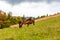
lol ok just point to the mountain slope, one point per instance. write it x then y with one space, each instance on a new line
48 29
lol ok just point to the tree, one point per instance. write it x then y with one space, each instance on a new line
9 15
23 17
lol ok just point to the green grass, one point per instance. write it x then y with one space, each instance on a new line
43 30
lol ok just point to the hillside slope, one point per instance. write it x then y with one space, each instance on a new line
49 29
49 17
41 19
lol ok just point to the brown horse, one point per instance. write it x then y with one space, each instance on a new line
28 21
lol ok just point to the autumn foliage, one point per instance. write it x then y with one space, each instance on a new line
6 19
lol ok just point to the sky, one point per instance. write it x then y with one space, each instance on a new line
29 8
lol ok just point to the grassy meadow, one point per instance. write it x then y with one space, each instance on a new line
43 30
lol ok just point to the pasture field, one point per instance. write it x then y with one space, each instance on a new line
42 30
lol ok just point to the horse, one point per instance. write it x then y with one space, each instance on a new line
28 21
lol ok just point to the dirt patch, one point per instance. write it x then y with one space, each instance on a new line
15 26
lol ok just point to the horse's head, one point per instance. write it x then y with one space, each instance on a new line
20 23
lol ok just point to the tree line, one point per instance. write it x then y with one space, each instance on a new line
6 19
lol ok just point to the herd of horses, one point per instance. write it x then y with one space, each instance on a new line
26 22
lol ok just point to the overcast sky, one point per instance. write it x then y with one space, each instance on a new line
30 7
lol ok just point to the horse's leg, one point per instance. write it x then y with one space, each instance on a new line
33 23
27 25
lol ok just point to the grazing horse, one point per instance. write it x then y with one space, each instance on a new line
28 21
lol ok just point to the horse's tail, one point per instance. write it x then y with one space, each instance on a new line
33 22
